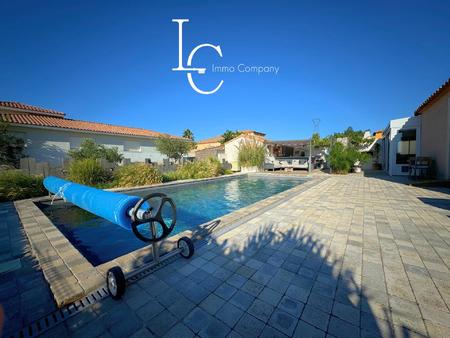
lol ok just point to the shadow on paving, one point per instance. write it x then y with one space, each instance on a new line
24 292
441 203
381 175
422 183
275 282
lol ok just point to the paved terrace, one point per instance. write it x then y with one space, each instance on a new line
350 257
24 292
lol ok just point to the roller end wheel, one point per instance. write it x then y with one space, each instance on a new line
186 247
115 282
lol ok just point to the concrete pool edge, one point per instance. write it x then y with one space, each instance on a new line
217 226
71 276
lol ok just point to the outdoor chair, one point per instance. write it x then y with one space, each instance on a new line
419 166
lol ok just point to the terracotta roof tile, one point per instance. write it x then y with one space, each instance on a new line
214 139
28 108
50 118
433 97
219 138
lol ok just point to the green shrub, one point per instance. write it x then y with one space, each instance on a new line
174 148
87 171
16 185
11 147
90 149
171 176
342 159
252 154
136 174
210 167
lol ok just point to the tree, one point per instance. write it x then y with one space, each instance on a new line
355 137
229 135
91 150
342 158
11 147
188 134
174 148
320 142
112 155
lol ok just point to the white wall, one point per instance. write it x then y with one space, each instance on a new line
232 151
52 145
392 136
436 135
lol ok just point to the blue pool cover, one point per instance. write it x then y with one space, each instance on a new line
110 205
101 240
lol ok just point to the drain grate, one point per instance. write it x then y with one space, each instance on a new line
143 273
53 319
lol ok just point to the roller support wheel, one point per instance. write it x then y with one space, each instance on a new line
186 247
115 282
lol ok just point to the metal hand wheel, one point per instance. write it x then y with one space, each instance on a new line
149 210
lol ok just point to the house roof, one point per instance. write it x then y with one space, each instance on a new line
442 90
211 148
23 114
17 106
252 132
219 138
291 143
214 139
370 146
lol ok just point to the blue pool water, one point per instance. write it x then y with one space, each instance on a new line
101 241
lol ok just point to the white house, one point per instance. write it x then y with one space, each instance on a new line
227 152
49 135
434 113
400 142
232 148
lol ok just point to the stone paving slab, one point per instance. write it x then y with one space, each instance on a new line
350 257
68 273
24 292
71 276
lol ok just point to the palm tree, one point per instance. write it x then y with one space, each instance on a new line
188 134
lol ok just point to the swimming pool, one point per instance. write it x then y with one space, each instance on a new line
101 241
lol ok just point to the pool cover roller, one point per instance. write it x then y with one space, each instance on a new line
110 205
123 210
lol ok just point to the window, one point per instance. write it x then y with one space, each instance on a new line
406 147
74 142
134 147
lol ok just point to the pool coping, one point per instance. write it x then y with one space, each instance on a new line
71 276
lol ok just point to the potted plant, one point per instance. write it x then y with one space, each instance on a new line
251 156
357 166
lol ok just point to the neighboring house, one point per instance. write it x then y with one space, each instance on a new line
401 142
232 147
343 140
49 135
215 152
226 152
374 150
212 142
435 133
377 134
280 154
426 134
217 141
367 134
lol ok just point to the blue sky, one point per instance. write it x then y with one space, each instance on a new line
348 63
